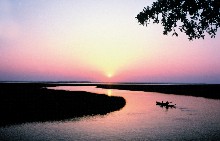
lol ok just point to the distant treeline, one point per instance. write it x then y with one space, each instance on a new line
198 90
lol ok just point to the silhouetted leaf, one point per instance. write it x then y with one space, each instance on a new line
196 16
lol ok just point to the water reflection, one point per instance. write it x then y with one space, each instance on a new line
109 92
141 119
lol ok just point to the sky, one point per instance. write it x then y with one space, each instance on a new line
99 41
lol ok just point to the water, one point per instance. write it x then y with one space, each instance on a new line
194 118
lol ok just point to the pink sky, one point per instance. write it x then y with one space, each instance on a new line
91 40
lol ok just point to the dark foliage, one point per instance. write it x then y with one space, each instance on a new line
196 16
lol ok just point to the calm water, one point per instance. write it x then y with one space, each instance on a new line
193 119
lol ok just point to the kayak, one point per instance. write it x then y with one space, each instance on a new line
167 104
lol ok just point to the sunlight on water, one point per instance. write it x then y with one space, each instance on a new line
109 92
193 118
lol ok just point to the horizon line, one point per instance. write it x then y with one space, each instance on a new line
119 82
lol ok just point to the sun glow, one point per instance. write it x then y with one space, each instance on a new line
109 75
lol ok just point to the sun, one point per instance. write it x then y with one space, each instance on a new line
109 75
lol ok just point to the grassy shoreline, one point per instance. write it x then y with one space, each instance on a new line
32 102
199 90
